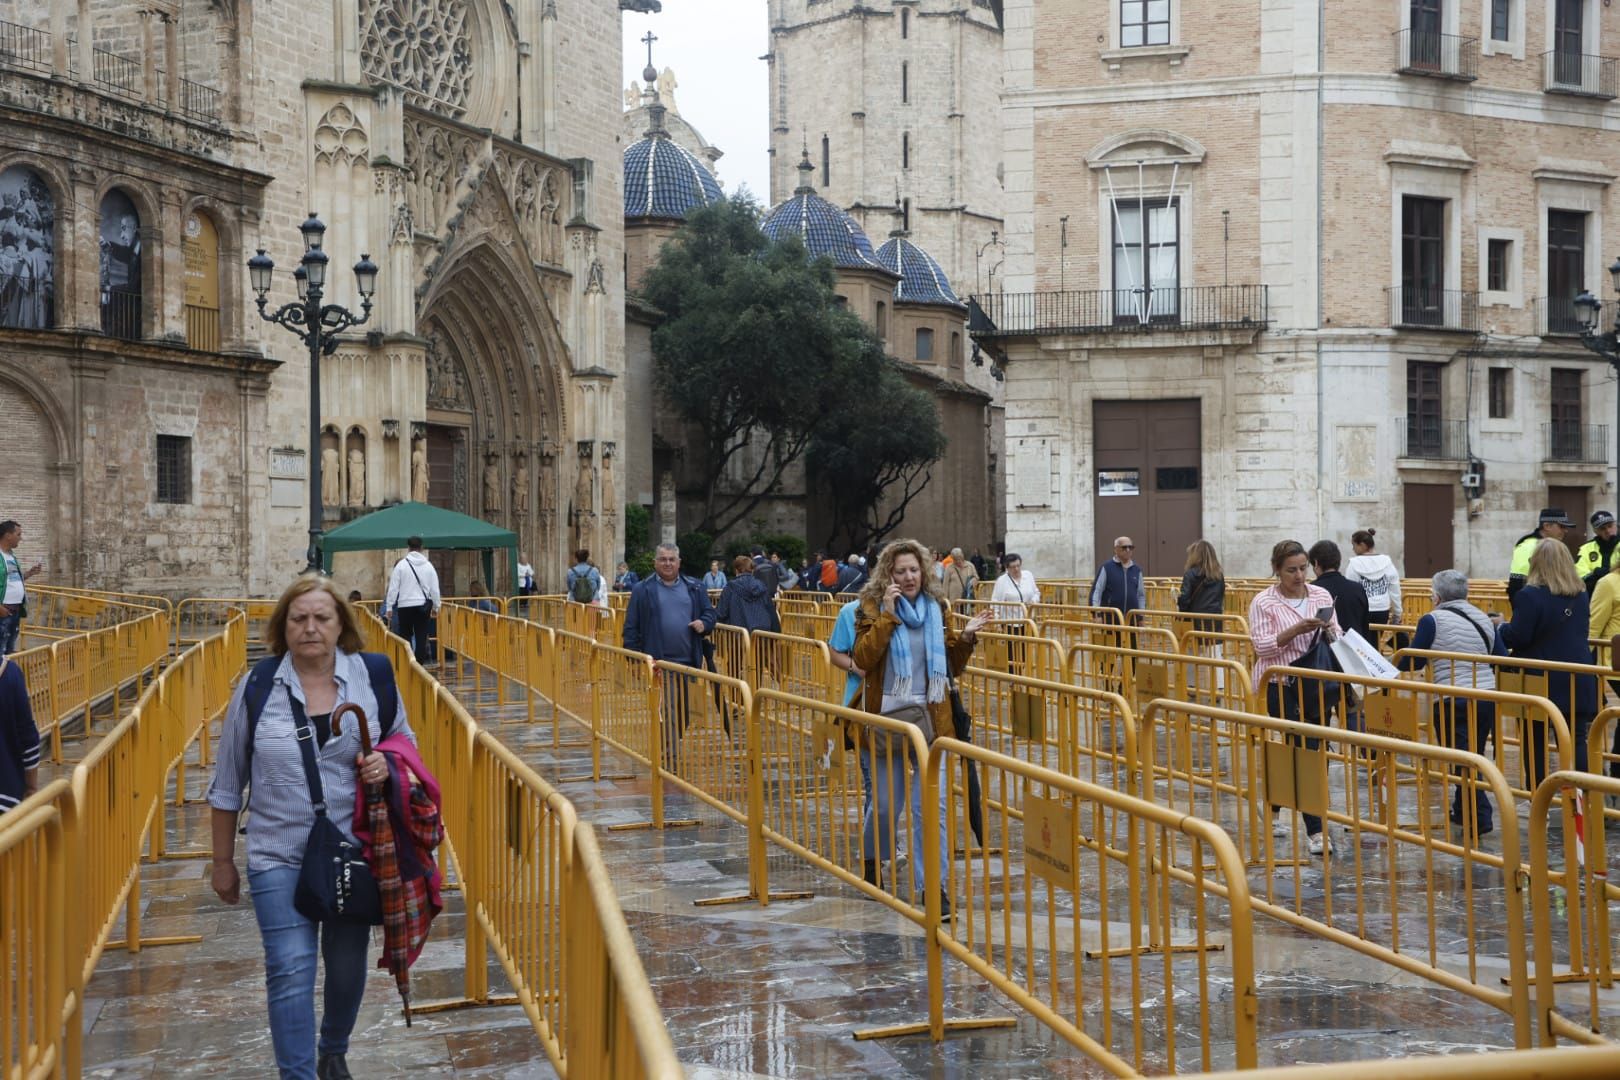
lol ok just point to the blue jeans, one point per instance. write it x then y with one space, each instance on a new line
289 974
8 635
887 771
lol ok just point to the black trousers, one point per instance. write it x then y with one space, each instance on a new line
413 627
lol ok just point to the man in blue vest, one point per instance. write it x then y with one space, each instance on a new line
1119 580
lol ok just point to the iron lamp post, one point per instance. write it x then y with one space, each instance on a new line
317 325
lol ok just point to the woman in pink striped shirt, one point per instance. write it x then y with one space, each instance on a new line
1283 624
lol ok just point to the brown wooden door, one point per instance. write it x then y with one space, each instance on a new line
1149 480
1429 531
1576 503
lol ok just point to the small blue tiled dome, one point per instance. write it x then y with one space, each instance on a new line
663 179
921 279
825 229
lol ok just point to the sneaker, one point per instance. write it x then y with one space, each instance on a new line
1279 825
1319 844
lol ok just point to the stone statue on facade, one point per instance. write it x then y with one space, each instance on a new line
584 499
419 471
331 477
666 507
610 509
666 89
520 486
357 477
492 485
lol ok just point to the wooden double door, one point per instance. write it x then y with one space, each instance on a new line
1148 483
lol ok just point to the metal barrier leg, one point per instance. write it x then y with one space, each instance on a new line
132 926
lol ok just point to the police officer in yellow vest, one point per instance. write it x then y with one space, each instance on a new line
1596 556
1551 526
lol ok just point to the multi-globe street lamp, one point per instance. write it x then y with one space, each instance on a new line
318 326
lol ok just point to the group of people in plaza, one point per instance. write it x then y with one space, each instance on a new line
894 640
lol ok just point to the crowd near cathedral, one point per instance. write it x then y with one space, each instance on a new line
1164 269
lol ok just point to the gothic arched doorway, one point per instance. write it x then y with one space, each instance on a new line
496 417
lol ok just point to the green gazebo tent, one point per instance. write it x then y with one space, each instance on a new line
439 528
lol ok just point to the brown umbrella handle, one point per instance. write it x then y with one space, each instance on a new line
365 729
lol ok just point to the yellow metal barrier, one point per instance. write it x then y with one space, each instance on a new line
1141 675
199 618
794 665
39 994
1238 648
817 624
1229 767
732 651
1151 638
1588 883
1181 623
1021 916
1583 1063
1088 734
536 889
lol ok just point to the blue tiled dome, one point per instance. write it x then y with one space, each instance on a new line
663 179
825 229
921 279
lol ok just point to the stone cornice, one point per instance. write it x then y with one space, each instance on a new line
89 350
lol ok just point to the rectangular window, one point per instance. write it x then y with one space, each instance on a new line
826 161
1566 269
1423 427
905 149
1566 415
1423 262
173 469
925 345
1144 22
905 82
905 214
1498 254
905 23
1147 262
1500 404
1501 10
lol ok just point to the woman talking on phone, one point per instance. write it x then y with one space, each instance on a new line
1283 623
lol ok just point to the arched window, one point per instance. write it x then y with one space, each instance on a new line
826 161
905 22
925 345
881 320
201 250
27 251
905 149
905 82
120 267
956 348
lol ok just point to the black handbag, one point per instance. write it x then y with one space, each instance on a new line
334 880
1320 697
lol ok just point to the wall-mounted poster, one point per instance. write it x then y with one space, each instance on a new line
1119 482
120 266
27 251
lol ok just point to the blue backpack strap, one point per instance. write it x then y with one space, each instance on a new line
384 689
260 680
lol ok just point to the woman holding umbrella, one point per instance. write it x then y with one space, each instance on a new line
315 666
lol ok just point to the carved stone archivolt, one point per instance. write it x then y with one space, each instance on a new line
425 49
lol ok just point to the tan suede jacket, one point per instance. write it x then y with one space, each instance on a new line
873 628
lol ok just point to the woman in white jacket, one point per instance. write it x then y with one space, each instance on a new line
1015 590
1377 574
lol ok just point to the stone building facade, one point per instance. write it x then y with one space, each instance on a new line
469 147
1295 269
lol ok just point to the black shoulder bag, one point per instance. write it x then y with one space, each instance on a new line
334 881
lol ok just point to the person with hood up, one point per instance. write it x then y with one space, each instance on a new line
745 602
1377 575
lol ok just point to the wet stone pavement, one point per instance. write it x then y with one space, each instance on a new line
747 991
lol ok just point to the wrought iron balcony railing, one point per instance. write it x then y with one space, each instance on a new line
1441 56
198 101
1577 73
121 315
1566 441
1424 308
1556 317
25 47
1099 311
1431 439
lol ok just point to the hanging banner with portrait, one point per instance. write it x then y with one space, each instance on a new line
120 266
27 251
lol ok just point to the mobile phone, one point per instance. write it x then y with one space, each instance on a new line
1324 614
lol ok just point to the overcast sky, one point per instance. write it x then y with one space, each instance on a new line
715 48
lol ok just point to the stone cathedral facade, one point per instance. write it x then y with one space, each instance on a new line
159 428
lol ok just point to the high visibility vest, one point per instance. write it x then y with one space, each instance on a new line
1521 556
1590 558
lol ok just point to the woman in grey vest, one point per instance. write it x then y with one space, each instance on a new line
1456 626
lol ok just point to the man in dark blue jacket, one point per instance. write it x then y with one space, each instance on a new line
668 617
1119 580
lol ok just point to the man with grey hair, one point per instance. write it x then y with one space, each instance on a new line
1456 626
668 618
